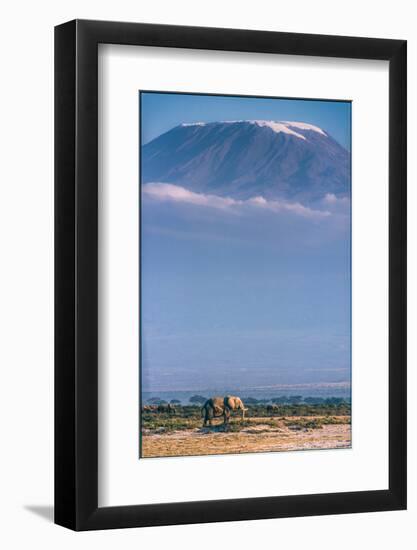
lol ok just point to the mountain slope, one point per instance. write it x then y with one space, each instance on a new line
244 159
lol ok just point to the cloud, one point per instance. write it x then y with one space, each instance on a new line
176 193
283 206
330 198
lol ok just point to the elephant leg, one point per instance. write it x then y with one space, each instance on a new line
226 415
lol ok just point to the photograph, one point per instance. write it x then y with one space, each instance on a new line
245 239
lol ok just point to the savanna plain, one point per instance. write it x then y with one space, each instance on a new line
178 430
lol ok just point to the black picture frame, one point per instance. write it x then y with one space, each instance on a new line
76 274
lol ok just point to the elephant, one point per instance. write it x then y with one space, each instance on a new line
221 406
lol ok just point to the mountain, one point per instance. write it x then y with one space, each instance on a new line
248 158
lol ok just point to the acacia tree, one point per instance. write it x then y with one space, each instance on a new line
197 399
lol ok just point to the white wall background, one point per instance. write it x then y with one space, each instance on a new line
26 289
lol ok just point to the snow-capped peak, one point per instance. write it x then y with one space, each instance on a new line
184 124
305 126
286 127
277 127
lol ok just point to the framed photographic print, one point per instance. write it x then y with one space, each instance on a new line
234 215
230 275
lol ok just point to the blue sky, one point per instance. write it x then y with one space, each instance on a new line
242 297
163 111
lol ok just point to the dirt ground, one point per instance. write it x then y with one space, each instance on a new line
258 437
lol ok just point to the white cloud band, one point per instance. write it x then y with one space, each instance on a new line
176 193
